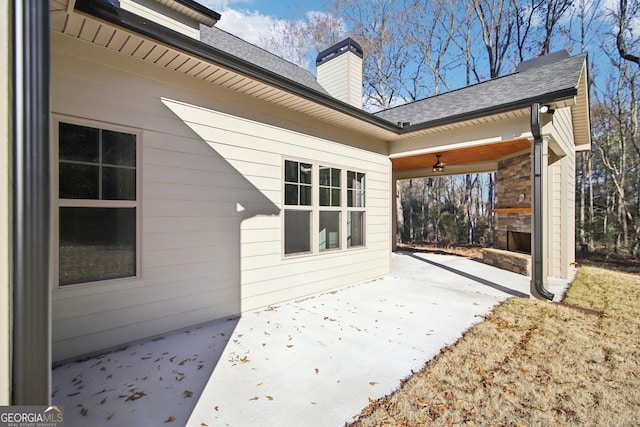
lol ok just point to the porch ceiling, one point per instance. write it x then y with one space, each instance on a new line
462 156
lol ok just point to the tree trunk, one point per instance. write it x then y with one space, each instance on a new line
583 190
399 213
411 235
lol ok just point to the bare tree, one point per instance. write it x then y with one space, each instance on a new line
525 14
587 15
552 11
431 26
299 40
626 41
375 24
497 20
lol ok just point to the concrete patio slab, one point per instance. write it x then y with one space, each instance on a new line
312 362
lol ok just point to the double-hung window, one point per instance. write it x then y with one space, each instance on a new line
330 183
298 212
324 208
355 209
97 203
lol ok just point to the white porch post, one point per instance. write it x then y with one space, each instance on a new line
394 213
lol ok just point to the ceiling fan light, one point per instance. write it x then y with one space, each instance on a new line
438 167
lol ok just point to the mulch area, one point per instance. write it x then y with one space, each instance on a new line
609 261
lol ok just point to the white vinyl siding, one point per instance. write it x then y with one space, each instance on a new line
163 15
211 192
562 197
342 78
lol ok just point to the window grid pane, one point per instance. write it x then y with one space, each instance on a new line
112 155
355 189
330 186
298 185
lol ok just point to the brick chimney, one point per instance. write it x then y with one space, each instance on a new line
339 71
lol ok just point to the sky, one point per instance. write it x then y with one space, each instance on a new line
248 19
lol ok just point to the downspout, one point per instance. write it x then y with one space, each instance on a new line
537 280
31 354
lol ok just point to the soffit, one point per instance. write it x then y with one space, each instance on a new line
203 16
580 112
490 119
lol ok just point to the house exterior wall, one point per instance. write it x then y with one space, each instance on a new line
562 194
211 231
5 221
163 15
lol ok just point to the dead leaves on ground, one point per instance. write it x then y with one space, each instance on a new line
254 398
135 395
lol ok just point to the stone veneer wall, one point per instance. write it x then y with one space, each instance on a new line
507 260
513 191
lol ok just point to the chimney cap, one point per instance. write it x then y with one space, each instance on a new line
346 45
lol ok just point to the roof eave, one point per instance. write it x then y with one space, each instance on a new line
209 17
477 114
152 30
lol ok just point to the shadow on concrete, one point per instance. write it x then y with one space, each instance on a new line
477 279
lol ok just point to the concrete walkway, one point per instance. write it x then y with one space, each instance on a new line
312 362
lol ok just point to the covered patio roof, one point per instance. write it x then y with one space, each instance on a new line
482 157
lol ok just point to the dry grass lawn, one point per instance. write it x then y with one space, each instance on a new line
532 363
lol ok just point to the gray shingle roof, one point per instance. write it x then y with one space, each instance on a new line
538 83
235 46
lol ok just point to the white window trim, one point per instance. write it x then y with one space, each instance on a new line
57 203
315 209
356 208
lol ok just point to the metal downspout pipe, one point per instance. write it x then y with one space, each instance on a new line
537 288
31 337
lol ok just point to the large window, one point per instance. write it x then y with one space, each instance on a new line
97 208
327 199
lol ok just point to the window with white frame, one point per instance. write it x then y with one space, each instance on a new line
328 199
355 209
330 185
97 203
298 199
